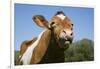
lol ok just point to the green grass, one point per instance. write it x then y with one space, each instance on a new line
16 57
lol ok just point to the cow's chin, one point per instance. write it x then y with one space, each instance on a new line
64 43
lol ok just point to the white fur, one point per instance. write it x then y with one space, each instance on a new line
26 58
61 16
68 32
20 56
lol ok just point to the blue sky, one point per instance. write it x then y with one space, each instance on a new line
26 29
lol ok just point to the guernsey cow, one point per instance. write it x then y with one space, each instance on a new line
49 46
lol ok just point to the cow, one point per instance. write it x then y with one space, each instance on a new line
51 43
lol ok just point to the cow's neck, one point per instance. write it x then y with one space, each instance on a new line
53 53
41 47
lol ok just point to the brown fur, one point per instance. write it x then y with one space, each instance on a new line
40 50
48 49
65 24
25 45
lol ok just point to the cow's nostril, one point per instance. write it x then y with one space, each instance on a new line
71 34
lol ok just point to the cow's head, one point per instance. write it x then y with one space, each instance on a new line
60 25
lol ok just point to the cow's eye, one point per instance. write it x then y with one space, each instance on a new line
52 23
72 24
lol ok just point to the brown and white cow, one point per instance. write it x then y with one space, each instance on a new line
49 46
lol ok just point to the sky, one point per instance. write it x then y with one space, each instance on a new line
26 29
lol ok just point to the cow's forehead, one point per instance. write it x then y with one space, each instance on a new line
66 22
61 16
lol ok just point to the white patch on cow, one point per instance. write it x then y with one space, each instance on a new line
61 16
20 56
68 32
26 58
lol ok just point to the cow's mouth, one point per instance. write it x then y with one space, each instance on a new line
64 43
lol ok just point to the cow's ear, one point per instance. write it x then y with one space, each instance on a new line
40 21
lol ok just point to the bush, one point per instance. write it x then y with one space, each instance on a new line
80 51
